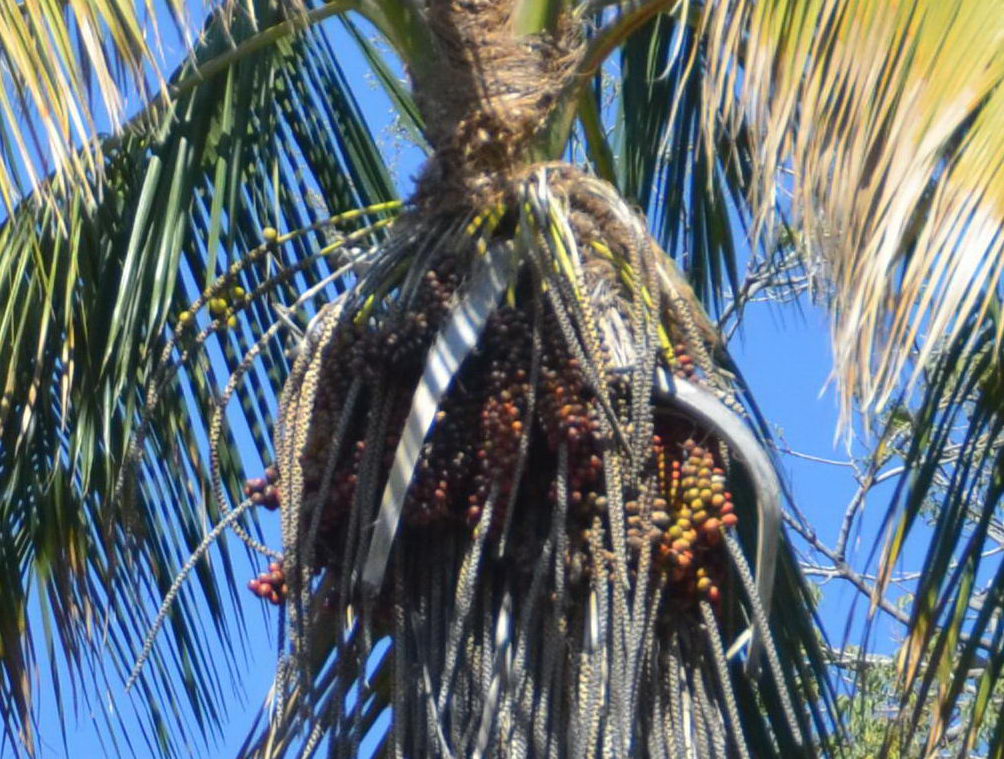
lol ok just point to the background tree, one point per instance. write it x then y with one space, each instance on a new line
894 192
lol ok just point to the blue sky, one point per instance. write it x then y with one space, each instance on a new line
783 351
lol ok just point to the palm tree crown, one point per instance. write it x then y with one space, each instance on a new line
506 432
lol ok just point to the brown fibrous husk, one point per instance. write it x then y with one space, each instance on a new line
487 99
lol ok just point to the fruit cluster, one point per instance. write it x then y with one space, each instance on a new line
271 585
220 306
263 491
687 522
400 343
406 337
679 522
502 412
473 448
681 363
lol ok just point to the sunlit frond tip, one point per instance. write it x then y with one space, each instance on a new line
71 72
53 60
885 121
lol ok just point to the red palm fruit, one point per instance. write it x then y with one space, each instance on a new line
713 537
270 497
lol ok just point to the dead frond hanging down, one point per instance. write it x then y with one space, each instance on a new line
884 120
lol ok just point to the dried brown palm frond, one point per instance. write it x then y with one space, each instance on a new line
884 120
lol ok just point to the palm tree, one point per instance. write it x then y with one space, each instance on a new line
507 434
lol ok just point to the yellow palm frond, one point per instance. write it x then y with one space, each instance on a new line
67 70
888 116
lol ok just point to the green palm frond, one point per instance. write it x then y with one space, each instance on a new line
90 290
688 202
954 482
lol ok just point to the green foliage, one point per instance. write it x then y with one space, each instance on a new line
872 715
90 290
